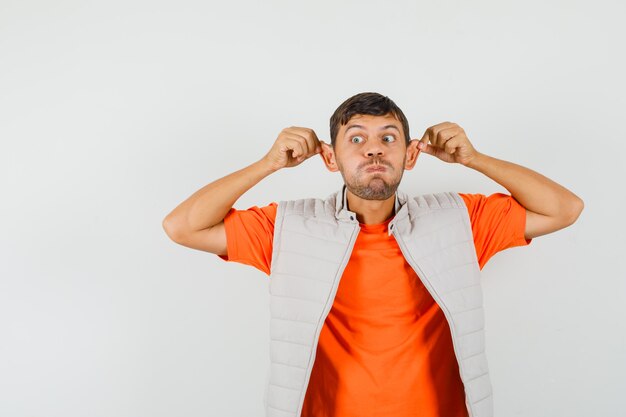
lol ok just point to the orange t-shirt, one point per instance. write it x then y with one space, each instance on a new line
385 348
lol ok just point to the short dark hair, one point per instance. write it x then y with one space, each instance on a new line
370 103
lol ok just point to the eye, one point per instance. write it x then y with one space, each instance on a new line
390 136
353 138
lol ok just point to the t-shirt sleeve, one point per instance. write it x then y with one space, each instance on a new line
498 223
249 236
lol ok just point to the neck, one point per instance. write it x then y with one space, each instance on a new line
371 211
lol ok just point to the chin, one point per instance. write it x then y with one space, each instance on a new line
373 193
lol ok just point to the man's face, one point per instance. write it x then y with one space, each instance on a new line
367 142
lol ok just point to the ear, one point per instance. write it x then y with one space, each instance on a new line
328 156
412 152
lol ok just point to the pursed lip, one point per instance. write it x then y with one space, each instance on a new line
376 168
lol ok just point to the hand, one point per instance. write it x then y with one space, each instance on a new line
292 147
448 142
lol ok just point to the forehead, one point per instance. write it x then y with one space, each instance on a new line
369 121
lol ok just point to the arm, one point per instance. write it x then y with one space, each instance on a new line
198 221
549 206
209 205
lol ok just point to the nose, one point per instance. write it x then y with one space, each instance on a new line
374 148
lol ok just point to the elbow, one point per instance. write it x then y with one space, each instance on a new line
171 229
574 209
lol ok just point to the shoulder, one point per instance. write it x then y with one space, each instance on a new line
308 207
478 201
442 200
252 215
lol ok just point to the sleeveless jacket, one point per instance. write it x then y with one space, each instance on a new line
313 240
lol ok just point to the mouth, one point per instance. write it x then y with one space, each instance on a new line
376 169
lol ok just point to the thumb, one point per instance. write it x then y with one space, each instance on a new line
425 147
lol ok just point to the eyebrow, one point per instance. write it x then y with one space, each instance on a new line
382 128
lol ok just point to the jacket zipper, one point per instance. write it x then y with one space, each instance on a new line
438 300
327 309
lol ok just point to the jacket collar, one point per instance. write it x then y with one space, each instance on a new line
342 213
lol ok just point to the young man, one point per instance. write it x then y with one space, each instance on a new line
376 304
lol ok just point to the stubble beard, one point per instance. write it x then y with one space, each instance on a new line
371 186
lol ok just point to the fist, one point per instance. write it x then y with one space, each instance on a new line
292 147
448 142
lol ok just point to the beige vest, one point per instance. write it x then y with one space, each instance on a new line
313 240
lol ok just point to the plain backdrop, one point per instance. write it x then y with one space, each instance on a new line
112 113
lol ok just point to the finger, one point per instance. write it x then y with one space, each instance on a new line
304 143
312 142
297 134
423 142
315 144
429 149
435 133
452 144
308 136
440 135
318 146
295 144
434 136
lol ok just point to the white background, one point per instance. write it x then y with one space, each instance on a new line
112 113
